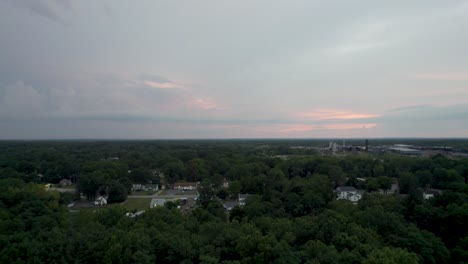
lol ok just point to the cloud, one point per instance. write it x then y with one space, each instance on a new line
21 100
453 76
305 127
207 104
427 113
334 114
164 85
410 108
49 9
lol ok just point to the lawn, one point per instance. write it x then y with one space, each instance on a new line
144 193
137 203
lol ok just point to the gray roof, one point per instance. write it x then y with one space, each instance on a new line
433 191
229 205
157 202
243 195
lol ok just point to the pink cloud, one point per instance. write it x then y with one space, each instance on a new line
164 85
349 126
284 130
206 104
327 114
298 128
455 76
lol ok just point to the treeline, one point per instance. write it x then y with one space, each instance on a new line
291 215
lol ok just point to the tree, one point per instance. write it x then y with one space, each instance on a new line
408 183
117 193
425 178
173 171
196 170
389 255
384 182
140 175
89 183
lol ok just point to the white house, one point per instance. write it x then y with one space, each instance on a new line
430 193
101 200
185 186
348 193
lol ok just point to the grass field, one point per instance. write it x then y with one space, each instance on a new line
137 204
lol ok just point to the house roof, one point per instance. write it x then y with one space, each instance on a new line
158 202
346 189
230 205
433 191
350 195
243 195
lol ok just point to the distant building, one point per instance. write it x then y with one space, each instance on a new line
141 187
65 182
405 150
348 193
185 186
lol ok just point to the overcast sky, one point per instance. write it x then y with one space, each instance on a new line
233 69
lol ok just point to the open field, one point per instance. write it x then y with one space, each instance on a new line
137 204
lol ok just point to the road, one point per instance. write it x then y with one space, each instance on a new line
166 196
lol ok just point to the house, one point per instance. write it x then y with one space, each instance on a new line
185 186
138 187
155 202
65 182
229 205
242 198
100 201
240 202
430 193
348 193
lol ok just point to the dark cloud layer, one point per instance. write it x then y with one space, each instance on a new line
260 68
53 10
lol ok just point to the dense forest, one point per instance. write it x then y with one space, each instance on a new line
291 216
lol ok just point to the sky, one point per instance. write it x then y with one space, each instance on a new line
151 69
